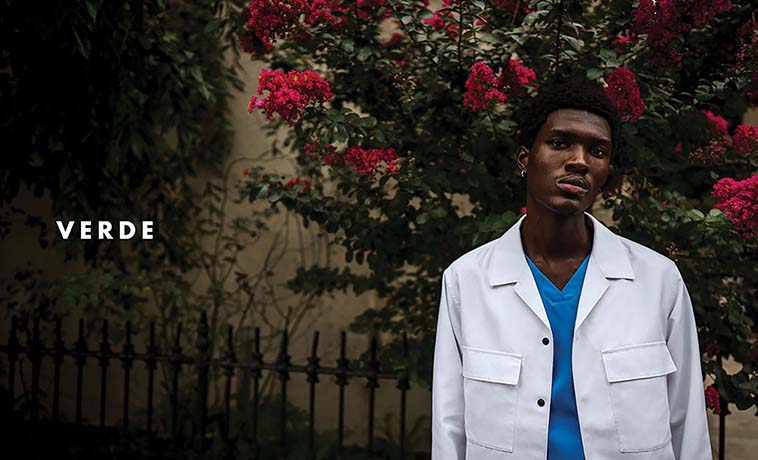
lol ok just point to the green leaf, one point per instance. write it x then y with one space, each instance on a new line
275 196
439 212
422 218
593 73
91 10
573 42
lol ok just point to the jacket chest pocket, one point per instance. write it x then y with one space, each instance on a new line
639 394
490 390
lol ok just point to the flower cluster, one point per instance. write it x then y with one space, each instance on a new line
747 60
363 161
738 200
516 77
622 42
482 88
327 153
438 22
710 154
624 94
289 93
396 38
307 185
268 20
719 126
712 349
368 161
713 399
519 8
746 140
663 20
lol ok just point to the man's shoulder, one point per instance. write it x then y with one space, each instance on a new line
647 260
474 258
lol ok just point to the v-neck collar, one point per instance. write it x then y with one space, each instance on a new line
571 280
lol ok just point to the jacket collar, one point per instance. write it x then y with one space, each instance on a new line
608 260
508 262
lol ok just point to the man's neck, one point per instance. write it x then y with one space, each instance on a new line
547 236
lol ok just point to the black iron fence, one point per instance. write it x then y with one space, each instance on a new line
203 365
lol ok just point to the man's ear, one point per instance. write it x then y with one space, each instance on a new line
522 157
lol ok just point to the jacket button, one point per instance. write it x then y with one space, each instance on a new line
545 341
540 402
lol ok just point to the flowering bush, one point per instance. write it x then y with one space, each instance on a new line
739 201
289 93
417 129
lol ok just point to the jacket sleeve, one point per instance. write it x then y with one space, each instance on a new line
689 428
448 433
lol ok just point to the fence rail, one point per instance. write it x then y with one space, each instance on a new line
202 363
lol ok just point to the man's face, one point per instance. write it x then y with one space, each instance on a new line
568 162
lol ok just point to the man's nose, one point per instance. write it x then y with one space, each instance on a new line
578 159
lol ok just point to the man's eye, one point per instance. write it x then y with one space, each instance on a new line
558 144
600 152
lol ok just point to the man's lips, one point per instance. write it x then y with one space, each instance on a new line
573 184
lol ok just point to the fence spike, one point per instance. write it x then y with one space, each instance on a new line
312 379
59 351
373 383
127 358
203 345
104 356
80 356
176 362
35 357
13 351
342 368
151 356
229 363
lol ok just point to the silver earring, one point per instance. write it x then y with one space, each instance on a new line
523 173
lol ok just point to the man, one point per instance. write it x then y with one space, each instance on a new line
561 340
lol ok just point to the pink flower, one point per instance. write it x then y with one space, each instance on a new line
523 210
512 6
712 349
272 19
624 94
711 154
516 76
299 180
481 88
290 93
396 38
738 200
747 60
663 20
438 21
326 153
746 140
713 399
622 40
368 161
719 126
678 148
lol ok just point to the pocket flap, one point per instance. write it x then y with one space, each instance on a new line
491 365
638 362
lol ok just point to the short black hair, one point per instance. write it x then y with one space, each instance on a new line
577 93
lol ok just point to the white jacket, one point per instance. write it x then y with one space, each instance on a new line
636 360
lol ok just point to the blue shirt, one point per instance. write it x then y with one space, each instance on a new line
564 437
